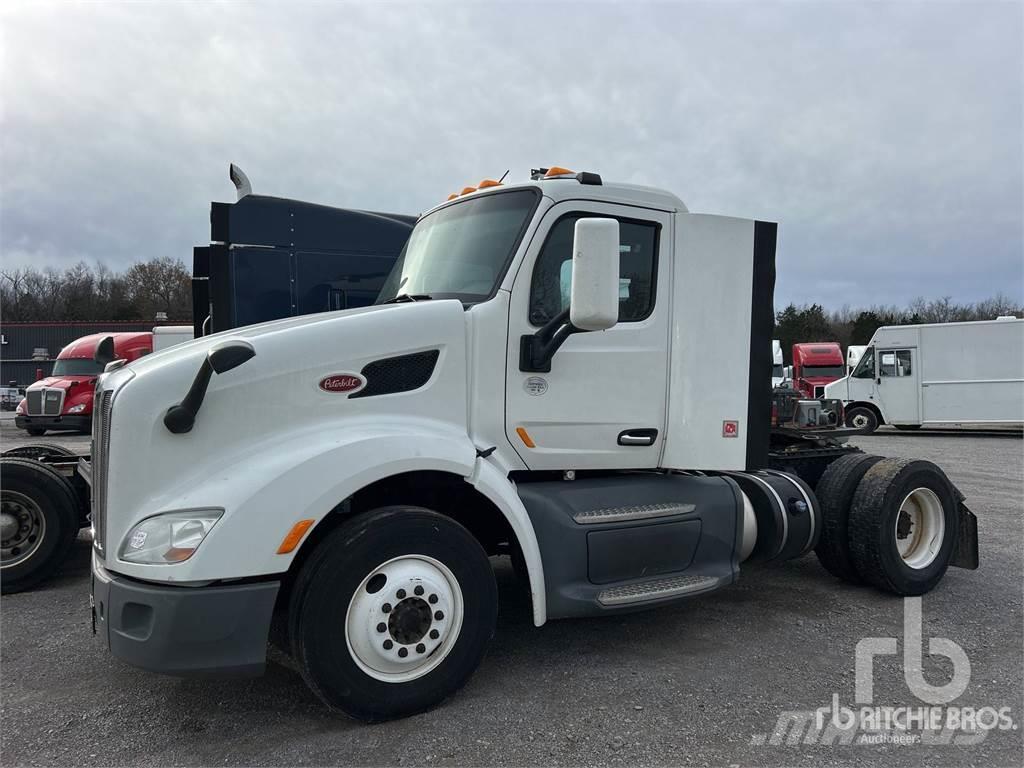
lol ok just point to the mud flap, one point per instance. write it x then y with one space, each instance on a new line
965 554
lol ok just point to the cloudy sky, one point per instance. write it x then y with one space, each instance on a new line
886 139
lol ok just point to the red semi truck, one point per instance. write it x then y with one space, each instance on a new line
815 365
63 400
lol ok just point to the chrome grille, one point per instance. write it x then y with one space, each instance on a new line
100 451
53 401
34 402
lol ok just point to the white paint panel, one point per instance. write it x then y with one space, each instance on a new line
710 342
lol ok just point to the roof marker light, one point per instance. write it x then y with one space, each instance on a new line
488 183
555 172
467 190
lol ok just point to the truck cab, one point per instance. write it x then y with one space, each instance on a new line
528 384
63 400
815 365
778 372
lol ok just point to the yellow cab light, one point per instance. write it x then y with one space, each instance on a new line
453 195
554 172
488 183
467 190
291 541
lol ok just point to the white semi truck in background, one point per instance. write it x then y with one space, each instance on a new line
527 384
943 373
778 372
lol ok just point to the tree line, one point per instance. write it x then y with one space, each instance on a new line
812 322
84 292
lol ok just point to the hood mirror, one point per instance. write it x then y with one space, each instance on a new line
228 355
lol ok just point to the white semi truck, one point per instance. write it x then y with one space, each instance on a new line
528 384
778 372
939 373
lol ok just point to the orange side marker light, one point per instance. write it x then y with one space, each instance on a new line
291 541
525 437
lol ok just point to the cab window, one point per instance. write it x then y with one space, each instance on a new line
552 274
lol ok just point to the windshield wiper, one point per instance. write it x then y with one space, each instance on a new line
404 297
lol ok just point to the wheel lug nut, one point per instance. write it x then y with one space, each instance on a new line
439 615
421 648
400 594
388 645
403 652
418 590
386 607
434 634
382 627
432 599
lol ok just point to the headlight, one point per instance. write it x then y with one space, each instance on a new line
168 538
21 407
77 408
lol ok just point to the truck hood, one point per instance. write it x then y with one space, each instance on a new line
60 382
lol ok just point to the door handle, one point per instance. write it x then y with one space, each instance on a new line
638 437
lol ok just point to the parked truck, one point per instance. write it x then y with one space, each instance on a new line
528 384
815 365
854 353
778 372
62 402
943 373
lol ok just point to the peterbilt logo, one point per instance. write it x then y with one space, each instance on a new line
342 383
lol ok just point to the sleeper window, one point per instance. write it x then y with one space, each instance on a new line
552 274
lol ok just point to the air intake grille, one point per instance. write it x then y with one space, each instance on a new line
34 402
53 399
398 374
100 452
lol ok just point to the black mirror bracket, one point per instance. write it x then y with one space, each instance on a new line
180 418
537 349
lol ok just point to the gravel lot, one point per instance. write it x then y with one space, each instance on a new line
692 684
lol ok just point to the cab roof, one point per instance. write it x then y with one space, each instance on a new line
86 346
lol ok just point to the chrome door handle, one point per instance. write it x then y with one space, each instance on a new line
638 437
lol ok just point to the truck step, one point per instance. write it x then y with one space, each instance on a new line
657 589
631 513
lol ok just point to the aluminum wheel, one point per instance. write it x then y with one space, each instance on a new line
920 528
404 618
22 528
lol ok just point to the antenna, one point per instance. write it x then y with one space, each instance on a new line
240 180
503 176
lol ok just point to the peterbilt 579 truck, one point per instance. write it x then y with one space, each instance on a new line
528 383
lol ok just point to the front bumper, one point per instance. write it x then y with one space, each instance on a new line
216 631
74 422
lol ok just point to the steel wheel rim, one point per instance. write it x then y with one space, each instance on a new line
920 528
404 618
23 527
859 421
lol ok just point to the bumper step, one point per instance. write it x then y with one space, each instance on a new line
657 589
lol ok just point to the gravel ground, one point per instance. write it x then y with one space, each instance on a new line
692 684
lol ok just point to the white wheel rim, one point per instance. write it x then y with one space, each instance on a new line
920 528
407 626
859 420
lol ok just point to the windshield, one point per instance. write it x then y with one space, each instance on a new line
77 366
824 371
777 372
866 367
461 251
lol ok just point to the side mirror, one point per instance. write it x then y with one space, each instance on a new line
228 355
594 301
104 351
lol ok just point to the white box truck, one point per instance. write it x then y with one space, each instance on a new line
530 384
941 373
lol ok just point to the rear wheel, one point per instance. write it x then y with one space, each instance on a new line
835 493
39 450
903 526
38 523
862 418
392 613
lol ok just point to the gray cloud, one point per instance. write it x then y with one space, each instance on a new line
884 138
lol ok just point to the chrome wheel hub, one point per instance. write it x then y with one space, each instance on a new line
404 618
920 528
22 527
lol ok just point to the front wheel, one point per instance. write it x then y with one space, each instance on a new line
863 419
392 613
35 431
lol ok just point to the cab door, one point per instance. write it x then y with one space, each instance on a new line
603 403
897 384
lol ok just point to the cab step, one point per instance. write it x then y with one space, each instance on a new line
657 589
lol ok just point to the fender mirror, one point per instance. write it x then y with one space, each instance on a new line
232 354
221 358
594 303
104 351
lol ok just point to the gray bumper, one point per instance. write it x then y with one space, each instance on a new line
186 631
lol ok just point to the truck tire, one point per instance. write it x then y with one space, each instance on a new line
835 493
35 431
903 526
392 613
907 427
862 418
35 450
39 521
